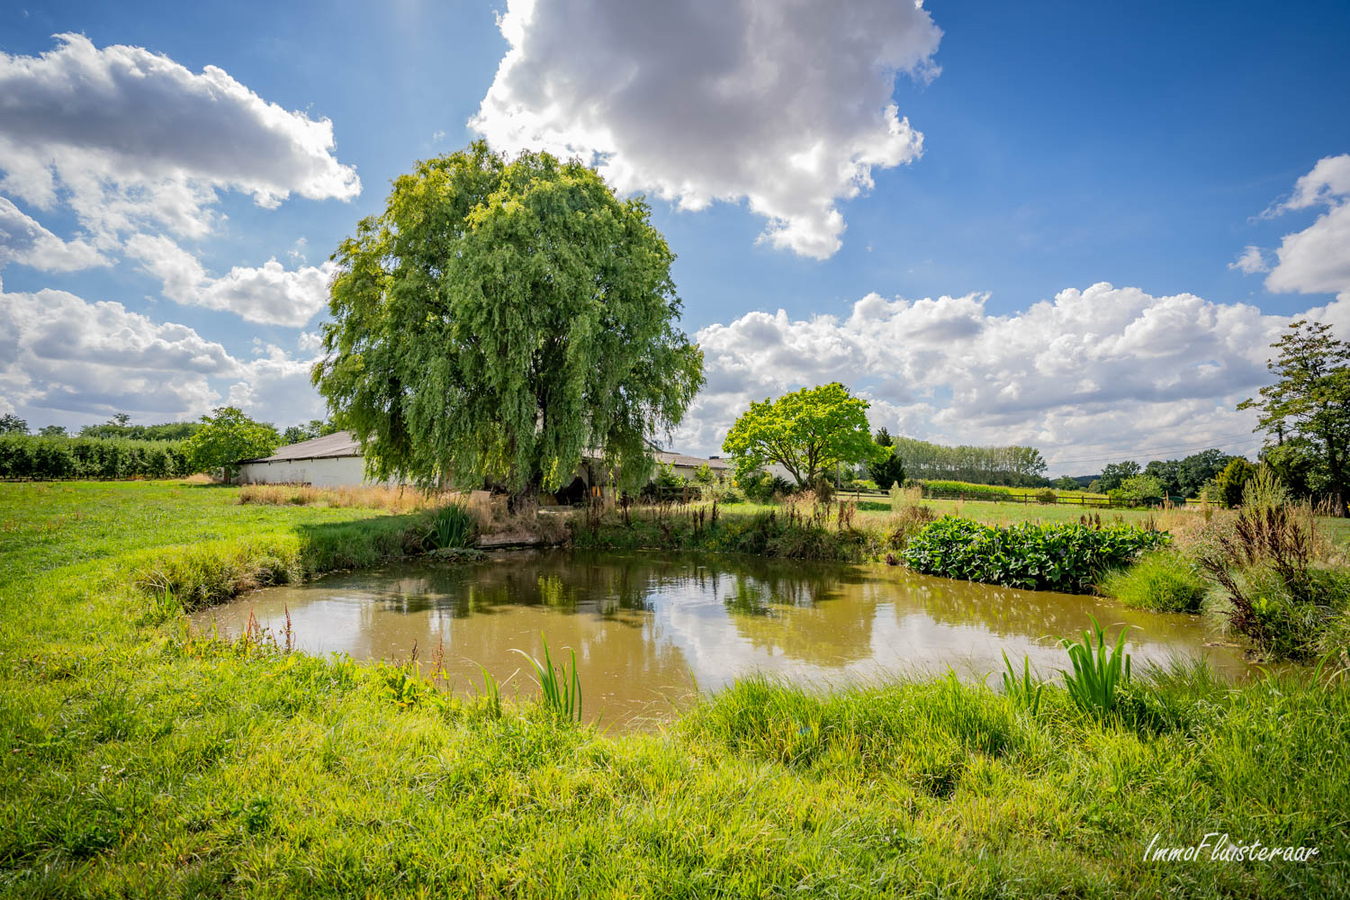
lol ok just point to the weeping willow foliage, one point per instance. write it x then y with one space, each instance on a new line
500 319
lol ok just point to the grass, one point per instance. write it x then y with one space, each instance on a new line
1165 581
141 762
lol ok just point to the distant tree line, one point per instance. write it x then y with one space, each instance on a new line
1011 466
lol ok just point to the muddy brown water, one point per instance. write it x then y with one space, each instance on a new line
652 630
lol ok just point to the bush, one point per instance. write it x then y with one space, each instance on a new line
1164 581
1278 598
1062 557
1047 496
1232 481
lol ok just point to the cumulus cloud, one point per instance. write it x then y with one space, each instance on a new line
128 138
787 106
69 361
1097 370
1250 261
1317 259
60 352
23 240
270 294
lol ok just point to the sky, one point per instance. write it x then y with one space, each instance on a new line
1057 224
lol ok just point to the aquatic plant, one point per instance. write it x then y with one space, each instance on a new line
1062 556
559 686
453 525
1098 671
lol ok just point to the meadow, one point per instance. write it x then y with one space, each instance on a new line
142 760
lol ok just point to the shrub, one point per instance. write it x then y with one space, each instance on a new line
1062 556
1277 597
31 457
1232 481
1047 496
1164 581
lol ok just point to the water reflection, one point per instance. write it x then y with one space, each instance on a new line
648 628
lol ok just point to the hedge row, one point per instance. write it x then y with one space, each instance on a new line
32 458
1059 557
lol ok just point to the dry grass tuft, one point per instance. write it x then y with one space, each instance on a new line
394 499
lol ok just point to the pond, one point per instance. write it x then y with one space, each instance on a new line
651 630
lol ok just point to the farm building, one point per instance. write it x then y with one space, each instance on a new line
335 461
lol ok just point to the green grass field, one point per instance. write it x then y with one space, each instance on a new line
138 761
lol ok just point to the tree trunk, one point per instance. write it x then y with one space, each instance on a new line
524 502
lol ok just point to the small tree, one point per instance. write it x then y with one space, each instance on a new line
53 431
1066 483
1230 483
890 468
1143 488
1311 399
226 437
808 432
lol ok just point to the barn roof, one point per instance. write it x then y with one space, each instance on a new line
693 462
337 444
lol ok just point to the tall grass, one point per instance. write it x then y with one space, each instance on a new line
393 499
1163 580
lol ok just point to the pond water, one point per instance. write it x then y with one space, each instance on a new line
651 630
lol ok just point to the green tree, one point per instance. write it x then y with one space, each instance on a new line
1230 483
53 431
806 432
1066 483
1311 399
12 424
1114 475
226 437
1198 469
890 468
1141 487
501 318
1168 474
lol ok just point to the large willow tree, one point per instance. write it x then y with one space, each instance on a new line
499 320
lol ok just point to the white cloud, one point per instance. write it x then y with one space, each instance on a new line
1098 371
23 240
270 294
59 352
65 360
785 105
1250 261
130 138
1317 259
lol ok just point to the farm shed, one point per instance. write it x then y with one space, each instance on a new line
335 461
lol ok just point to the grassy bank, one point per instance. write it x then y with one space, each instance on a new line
139 761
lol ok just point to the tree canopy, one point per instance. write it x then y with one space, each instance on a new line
227 436
1310 400
499 319
806 432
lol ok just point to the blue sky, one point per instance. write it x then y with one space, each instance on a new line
1063 146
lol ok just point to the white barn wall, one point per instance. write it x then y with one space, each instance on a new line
332 471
